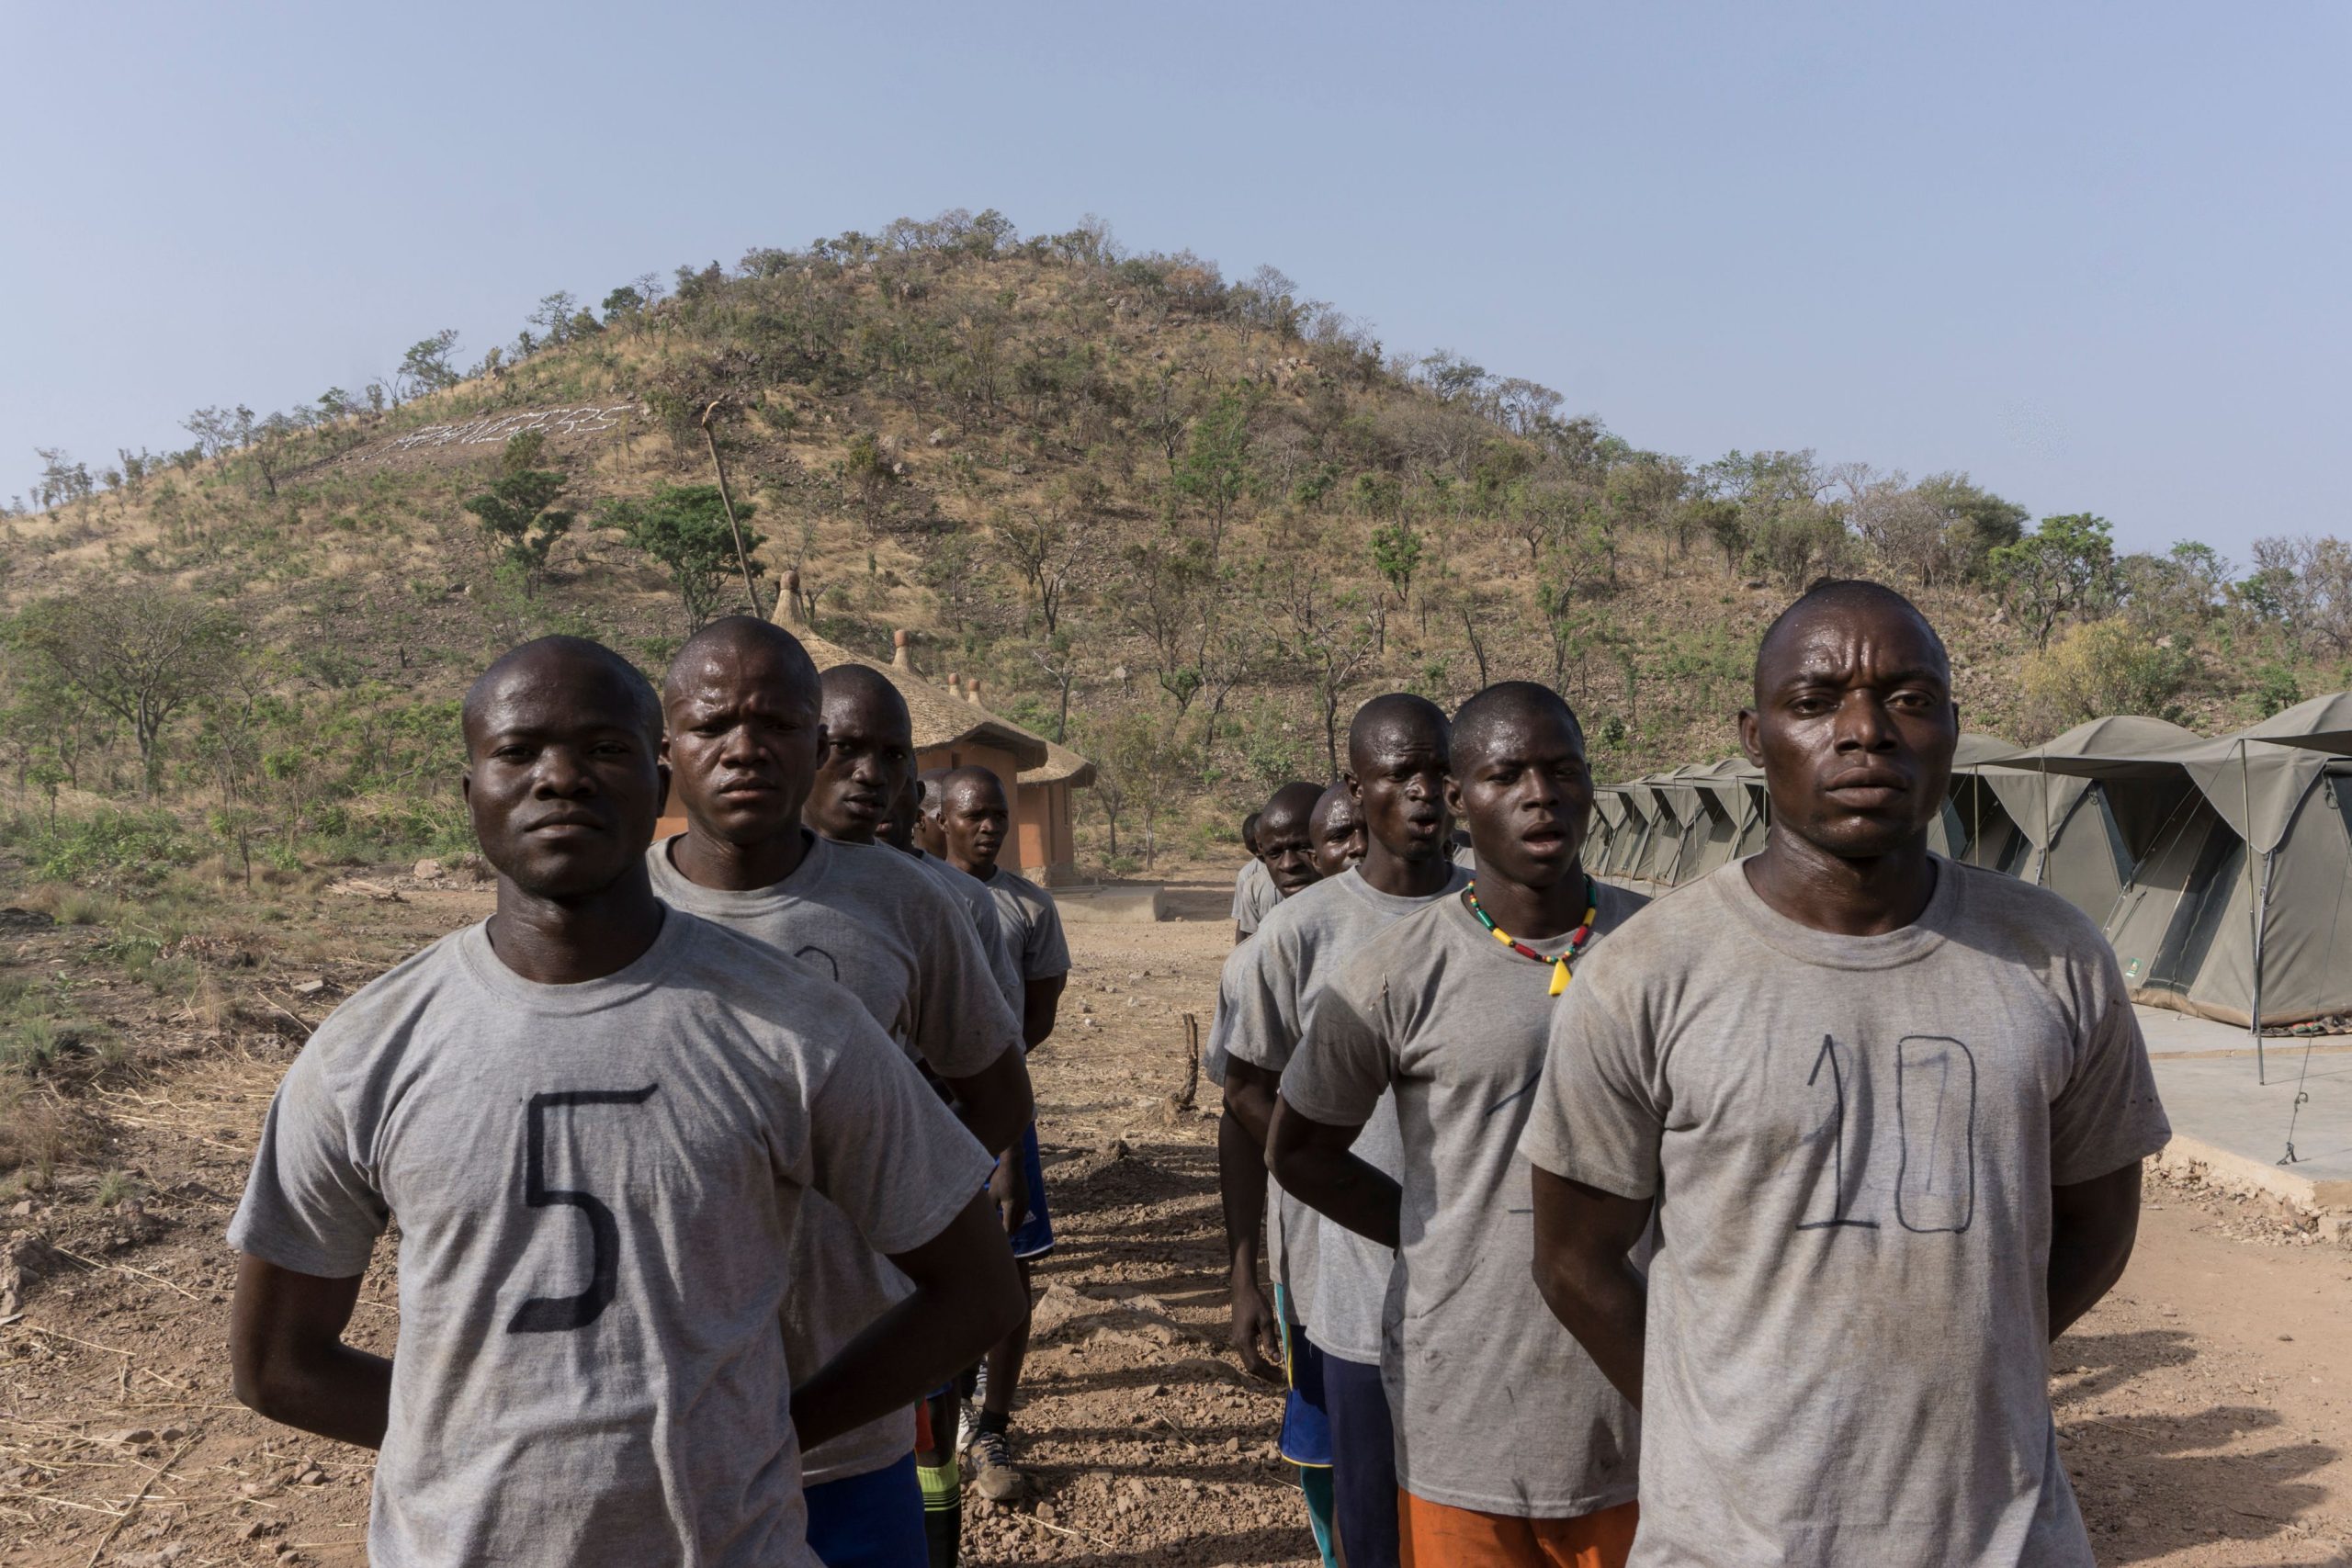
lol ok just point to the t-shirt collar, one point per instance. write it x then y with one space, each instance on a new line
816 864
1831 949
641 975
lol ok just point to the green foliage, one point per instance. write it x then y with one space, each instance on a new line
108 847
684 529
1213 472
2061 567
519 512
1396 554
2106 666
2276 690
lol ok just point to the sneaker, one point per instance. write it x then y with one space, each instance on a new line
967 1424
994 1476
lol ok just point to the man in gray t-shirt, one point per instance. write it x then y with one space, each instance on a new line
1396 751
1285 860
975 819
1891 1112
745 711
599 1122
1498 1412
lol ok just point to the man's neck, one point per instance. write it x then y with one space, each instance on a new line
1530 913
1844 897
1385 871
710 862
984 870
853 835
564 941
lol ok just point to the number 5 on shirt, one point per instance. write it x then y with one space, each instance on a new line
559 1314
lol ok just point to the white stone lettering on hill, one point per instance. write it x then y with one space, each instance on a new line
498 427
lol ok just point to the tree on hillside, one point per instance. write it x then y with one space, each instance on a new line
428 366
1325 634
519 510
1397 552
2310 581
1977 521
2060 567
682 528
140 651
1215 470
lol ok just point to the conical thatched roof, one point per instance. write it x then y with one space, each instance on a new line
942 719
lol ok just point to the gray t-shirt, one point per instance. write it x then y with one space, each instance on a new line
1303 943
972 894
867 916
1852 1142
1254 893
1032 927
1290 1225
597 1187
1498 1409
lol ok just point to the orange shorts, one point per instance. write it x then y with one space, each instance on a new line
1431 1535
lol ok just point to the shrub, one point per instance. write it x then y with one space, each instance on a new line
2106 666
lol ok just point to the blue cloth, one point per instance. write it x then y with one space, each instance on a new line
1036 1236
1306 1429
873 1521
1364 1462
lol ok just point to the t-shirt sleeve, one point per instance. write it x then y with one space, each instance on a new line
1344 1061
1264 1019
2107 1115
883 1147
1597 1116
310 1204
963 1022
1048 950
1244 913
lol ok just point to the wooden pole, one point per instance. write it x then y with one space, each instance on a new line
743 556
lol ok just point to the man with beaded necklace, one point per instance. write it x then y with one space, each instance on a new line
1511 1447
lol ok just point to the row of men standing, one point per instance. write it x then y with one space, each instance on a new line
768 1071
1731 1229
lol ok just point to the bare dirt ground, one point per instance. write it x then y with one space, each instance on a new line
2205 1409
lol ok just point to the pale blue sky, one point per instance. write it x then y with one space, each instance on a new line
2096 255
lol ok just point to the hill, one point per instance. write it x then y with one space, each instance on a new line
1183 522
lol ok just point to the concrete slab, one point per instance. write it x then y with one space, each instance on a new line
2221 1117
1111 906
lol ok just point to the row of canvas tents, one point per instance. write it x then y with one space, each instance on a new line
2221 869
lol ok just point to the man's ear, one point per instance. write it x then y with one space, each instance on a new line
1355 790
1454 796
1751 737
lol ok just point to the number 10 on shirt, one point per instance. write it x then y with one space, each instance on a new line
1931 1143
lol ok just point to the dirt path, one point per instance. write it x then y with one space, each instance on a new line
2205 1409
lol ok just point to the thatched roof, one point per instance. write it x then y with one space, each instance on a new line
942 719
1062 765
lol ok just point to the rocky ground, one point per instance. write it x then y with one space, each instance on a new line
2205 1409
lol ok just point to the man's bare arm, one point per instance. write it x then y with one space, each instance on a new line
1249 1099
2092 1227
1584 1238
995 1103
1311 1158
1241 1187
288 1360
1040 1000
967 1297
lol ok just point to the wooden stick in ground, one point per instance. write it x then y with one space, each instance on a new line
1191 1093
743 556
108 1538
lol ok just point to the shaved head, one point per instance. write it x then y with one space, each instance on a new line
1508 706
1840 598
1289 807
865 689
1337 826
564 658
731 639
1397 716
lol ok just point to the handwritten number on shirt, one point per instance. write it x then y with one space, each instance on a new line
1934 1142
558 1314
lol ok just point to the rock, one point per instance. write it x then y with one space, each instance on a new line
937 437
309 985
13 918
25 1261
427 869
258 1529
130 1437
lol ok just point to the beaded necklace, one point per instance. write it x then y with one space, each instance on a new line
1576 938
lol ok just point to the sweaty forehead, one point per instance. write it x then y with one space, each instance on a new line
730 673
547 696
1397 741
1849 643
866 714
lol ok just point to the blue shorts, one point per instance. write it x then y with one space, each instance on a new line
1036 1236
1363 1463
873 1521
1306 1425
